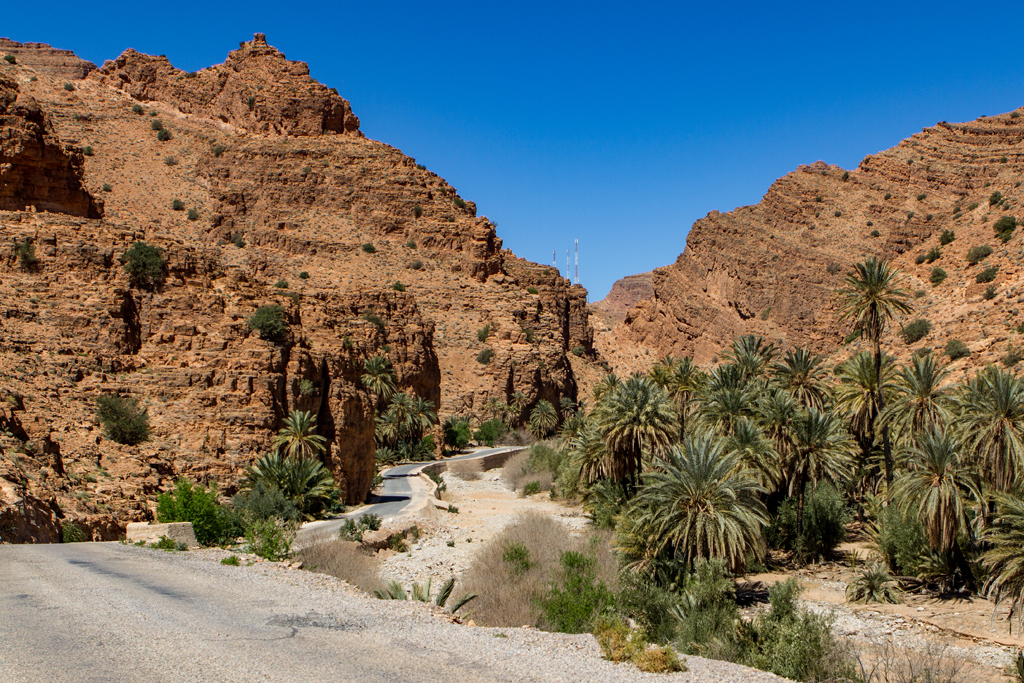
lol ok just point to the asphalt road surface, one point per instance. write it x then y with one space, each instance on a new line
401 488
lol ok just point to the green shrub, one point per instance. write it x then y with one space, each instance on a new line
483 332
837 214
177 205
271 539
416 264
915 331
946 237
10 59
398 286
417 211
888 195
303 275
921 197
933 255
250 102
579 350
268 321
900 539
576 597
531 290
26 254
956 349
459 202
168 544
193 214
485 356
990 293
995 198
456 433
231 561
156 124
921 258
137 109
378 322
978 253
987 275
530 335
972 206
87 150
1014 355
369 248
170 160
937 276
122 419
237 239
69 87
212 523
218 150
875 233
531 488
1004 227
107 187
70 532
163 135
490 431
825 518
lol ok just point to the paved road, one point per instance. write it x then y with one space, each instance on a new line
113 613
402 489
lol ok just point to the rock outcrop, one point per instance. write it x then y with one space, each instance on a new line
255 90
44 59
772 268
625 294
37 171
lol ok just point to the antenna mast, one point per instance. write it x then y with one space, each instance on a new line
568 269
577 262
554 259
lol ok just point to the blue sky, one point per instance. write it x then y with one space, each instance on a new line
617 124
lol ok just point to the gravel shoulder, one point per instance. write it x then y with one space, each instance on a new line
113 612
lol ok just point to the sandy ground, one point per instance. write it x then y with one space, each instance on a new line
965 631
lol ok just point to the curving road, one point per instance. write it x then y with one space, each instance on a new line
401 493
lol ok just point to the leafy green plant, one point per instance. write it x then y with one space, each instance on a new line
268 321
281 284
483 333
485 356
212 523
987 275
579 350
417 211
995 198
873 584
177 205
416 264
26 254
398 286
237 239
1004 227
369 248
193 214
304 275
10 59
990 293
71 532
937 276
88 151
459 202
123 420
956 349
978 253
531 290
69 87
231 561
946 237
921 197
163 135
270 538
107 187
218 150
490 431
305 482
915 331
577 597
530 489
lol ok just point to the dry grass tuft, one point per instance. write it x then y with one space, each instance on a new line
467 470
345 560
508 581
516 470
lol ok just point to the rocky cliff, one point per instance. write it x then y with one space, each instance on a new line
257 184
772 268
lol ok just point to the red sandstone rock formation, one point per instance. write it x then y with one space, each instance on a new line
42 58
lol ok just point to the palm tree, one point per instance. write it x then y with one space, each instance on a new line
775 413
635 417
822 449
298 436
567 405
699 504
751 354
494 407
802 375
992 421
422 417
305 482
937 486
755 452
607 383
379 377
871 298
543 418
857 397
681 378
920 401
591 455
518 402
1005 557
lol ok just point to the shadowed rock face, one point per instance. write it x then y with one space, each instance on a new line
772 268
367 253
36 170
44 59
256 90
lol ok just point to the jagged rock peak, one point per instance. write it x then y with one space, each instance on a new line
257 89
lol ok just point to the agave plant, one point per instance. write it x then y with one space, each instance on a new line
421 593
873 584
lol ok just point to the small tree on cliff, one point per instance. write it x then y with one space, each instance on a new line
145 265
